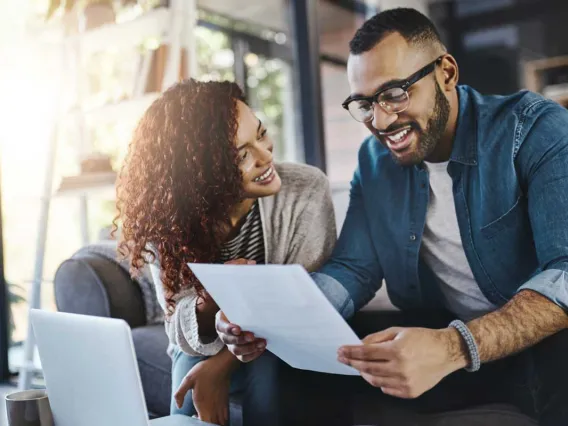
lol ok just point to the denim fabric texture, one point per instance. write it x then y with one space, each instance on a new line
509 167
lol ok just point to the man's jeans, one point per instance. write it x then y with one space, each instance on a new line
535 380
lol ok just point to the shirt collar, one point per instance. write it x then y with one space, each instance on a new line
464 150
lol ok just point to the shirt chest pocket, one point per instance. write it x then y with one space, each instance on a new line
515 220
506 249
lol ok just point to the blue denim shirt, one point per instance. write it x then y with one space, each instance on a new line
509 167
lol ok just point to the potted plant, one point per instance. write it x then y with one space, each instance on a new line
95 12
14 297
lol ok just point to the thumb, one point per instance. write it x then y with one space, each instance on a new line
186 385
382 336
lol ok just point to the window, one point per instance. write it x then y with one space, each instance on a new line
109 77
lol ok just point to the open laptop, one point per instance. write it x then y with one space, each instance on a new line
91 373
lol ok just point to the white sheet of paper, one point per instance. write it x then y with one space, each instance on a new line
282 304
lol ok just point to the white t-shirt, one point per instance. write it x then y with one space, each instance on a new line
443 252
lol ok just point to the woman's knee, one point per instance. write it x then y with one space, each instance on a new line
182 363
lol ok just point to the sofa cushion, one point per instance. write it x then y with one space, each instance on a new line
155 367
481 416
369 412
91 284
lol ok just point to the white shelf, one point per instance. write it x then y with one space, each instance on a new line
92 184
125 34
128 108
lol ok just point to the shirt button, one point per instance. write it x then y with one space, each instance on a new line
423 185
412 237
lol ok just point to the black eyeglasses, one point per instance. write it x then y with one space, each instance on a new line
393 100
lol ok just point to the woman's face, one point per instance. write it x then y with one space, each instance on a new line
260 178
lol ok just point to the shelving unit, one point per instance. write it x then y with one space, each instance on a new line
535 78
102 183
174 26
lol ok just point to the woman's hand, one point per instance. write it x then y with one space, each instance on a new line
205 303
242 344
206 307
210 381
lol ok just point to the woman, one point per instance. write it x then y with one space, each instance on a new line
199 185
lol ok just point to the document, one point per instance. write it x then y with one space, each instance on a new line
282 304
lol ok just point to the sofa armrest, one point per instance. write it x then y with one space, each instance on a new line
91 284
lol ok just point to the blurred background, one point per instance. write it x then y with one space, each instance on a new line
76 75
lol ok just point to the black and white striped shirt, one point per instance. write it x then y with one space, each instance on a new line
249 243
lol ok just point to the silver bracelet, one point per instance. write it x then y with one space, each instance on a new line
471 345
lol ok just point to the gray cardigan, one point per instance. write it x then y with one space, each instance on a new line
298 225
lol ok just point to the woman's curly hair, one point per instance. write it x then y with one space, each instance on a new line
179 182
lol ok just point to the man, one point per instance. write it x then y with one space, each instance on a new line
460 203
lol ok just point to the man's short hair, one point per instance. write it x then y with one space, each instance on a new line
409 23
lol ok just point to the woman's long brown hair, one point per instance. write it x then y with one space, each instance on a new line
179 181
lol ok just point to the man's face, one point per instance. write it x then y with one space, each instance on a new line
412 135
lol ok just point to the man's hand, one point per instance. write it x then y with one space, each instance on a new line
242 344
406 362
210 380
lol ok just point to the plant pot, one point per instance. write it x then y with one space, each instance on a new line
97 14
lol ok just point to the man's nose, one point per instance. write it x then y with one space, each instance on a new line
382 119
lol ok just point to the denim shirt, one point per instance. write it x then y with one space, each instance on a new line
509 167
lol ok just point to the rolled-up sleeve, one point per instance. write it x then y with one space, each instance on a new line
553 284
543 163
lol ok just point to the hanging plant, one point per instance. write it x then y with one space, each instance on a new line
14 297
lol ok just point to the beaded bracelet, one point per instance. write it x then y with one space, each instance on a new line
471 345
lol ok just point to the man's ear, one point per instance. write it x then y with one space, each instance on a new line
450 73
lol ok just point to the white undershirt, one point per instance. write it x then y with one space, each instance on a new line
443 252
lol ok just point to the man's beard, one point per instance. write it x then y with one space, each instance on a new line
428 139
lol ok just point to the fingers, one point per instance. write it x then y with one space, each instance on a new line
231 334
185 386
249 352
382 382
220 417
397 392
392 392
241 262
250 348
377 369
374 352
223 326
382 336
206 304
251 357
244 339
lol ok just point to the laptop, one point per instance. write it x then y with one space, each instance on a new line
91 373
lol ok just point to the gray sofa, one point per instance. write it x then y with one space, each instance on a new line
91 284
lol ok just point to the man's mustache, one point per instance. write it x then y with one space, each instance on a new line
397 126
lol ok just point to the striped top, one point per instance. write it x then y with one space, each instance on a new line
249 243
298 226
